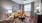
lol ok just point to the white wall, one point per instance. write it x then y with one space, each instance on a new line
37 4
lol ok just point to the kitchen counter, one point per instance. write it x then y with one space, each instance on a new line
39 13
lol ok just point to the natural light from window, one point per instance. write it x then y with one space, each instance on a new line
27 7
9 11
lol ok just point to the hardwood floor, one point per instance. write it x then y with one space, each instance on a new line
16 21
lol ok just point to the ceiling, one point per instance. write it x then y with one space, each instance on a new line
22 1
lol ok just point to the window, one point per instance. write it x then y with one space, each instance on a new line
27 7
9 11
